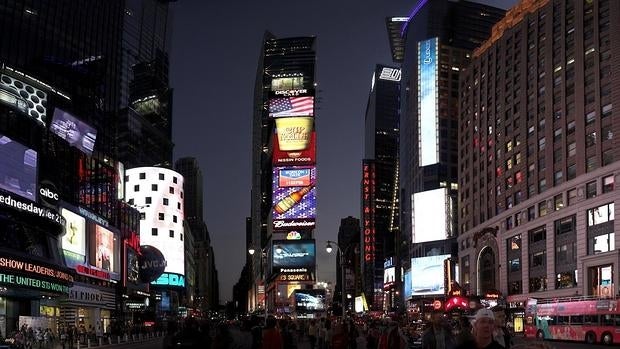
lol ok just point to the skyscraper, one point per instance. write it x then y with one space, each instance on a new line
539 155
439 37
380 205
349 242
283 167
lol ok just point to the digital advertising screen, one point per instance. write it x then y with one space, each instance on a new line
104 248
301 145
407 284
18 168
389 276
294 201
294 134
309 300
428 275
24 97
291 106
294 254
133 266
428 100
76 132
287 83
74 241
430 217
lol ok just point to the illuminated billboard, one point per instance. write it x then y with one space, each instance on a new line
294 134
287 83
428 275
76 132
133 266
309 300
24 97
368 209
74 241
294 254
304 154
431 215
158 194
18 168
292 201
407 284
104 249
389 276
428 100
291 106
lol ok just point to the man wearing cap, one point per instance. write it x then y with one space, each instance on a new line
484 325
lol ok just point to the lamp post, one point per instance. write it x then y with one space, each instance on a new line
329 249
263 266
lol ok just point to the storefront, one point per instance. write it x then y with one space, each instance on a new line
89 307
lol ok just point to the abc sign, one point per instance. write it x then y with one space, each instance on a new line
45 192
48 193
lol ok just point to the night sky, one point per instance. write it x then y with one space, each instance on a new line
213 62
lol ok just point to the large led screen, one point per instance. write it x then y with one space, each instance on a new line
18 168
427 275
303 152
407 285
430 215
24 97
292 201
389 276
291 106
294 253
294 134
428 100
310 300
104 248
76 132
73 242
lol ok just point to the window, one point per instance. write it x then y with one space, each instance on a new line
171 190
178 205
171 233
572 149
162 177
514 243
571 196
590 190
590 139
174 180
565 254
565 225
153 187
558 176
154 231
601 214
591 163
166 201
541 144
148 200
608 184
142 175
542 185
136 188
174 219
538 284
538 259
568 280
515 265
509 223
142 216
542 208
161 216
601 244
531 213
181 236
558 202
571 172
538 234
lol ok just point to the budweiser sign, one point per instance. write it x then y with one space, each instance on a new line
285 224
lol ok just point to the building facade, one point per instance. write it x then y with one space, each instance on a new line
538 154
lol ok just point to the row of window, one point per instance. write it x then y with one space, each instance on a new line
155 232
149 201
162 177
155 187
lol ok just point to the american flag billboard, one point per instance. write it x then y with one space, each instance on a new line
291 106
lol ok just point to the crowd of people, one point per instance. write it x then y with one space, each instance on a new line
28 337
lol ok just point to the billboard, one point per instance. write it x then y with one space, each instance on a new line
158 193
389 276
77 133
293 202
24 97
431 215
18 168
293 254
407 284
303 154
287 83
133 266
309 300
294 134
74 241
428 101
429 275
368 209
104 249
291 106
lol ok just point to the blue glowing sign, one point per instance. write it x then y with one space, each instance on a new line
170 279
428 97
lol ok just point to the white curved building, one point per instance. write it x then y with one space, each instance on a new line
158 194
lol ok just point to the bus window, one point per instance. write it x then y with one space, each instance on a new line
617 320
576 320
607 320
562 320
590 320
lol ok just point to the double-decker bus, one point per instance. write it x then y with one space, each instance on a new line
593 320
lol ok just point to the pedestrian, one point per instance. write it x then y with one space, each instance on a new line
439 334
312 334
484 324
501 334
465 331
272 339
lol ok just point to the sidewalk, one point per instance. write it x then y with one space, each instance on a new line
106 342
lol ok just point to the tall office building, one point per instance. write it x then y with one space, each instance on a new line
349 242
539 154
439 38
283 170
380 206
205 274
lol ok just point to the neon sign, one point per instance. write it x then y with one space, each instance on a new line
170 279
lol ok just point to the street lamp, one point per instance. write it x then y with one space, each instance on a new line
263 267
329 249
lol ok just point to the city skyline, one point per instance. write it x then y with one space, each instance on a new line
214 55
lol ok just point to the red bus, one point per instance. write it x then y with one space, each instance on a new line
593 320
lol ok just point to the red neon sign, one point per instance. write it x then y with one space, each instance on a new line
368 215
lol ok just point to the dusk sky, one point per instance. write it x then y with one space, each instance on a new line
213 64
